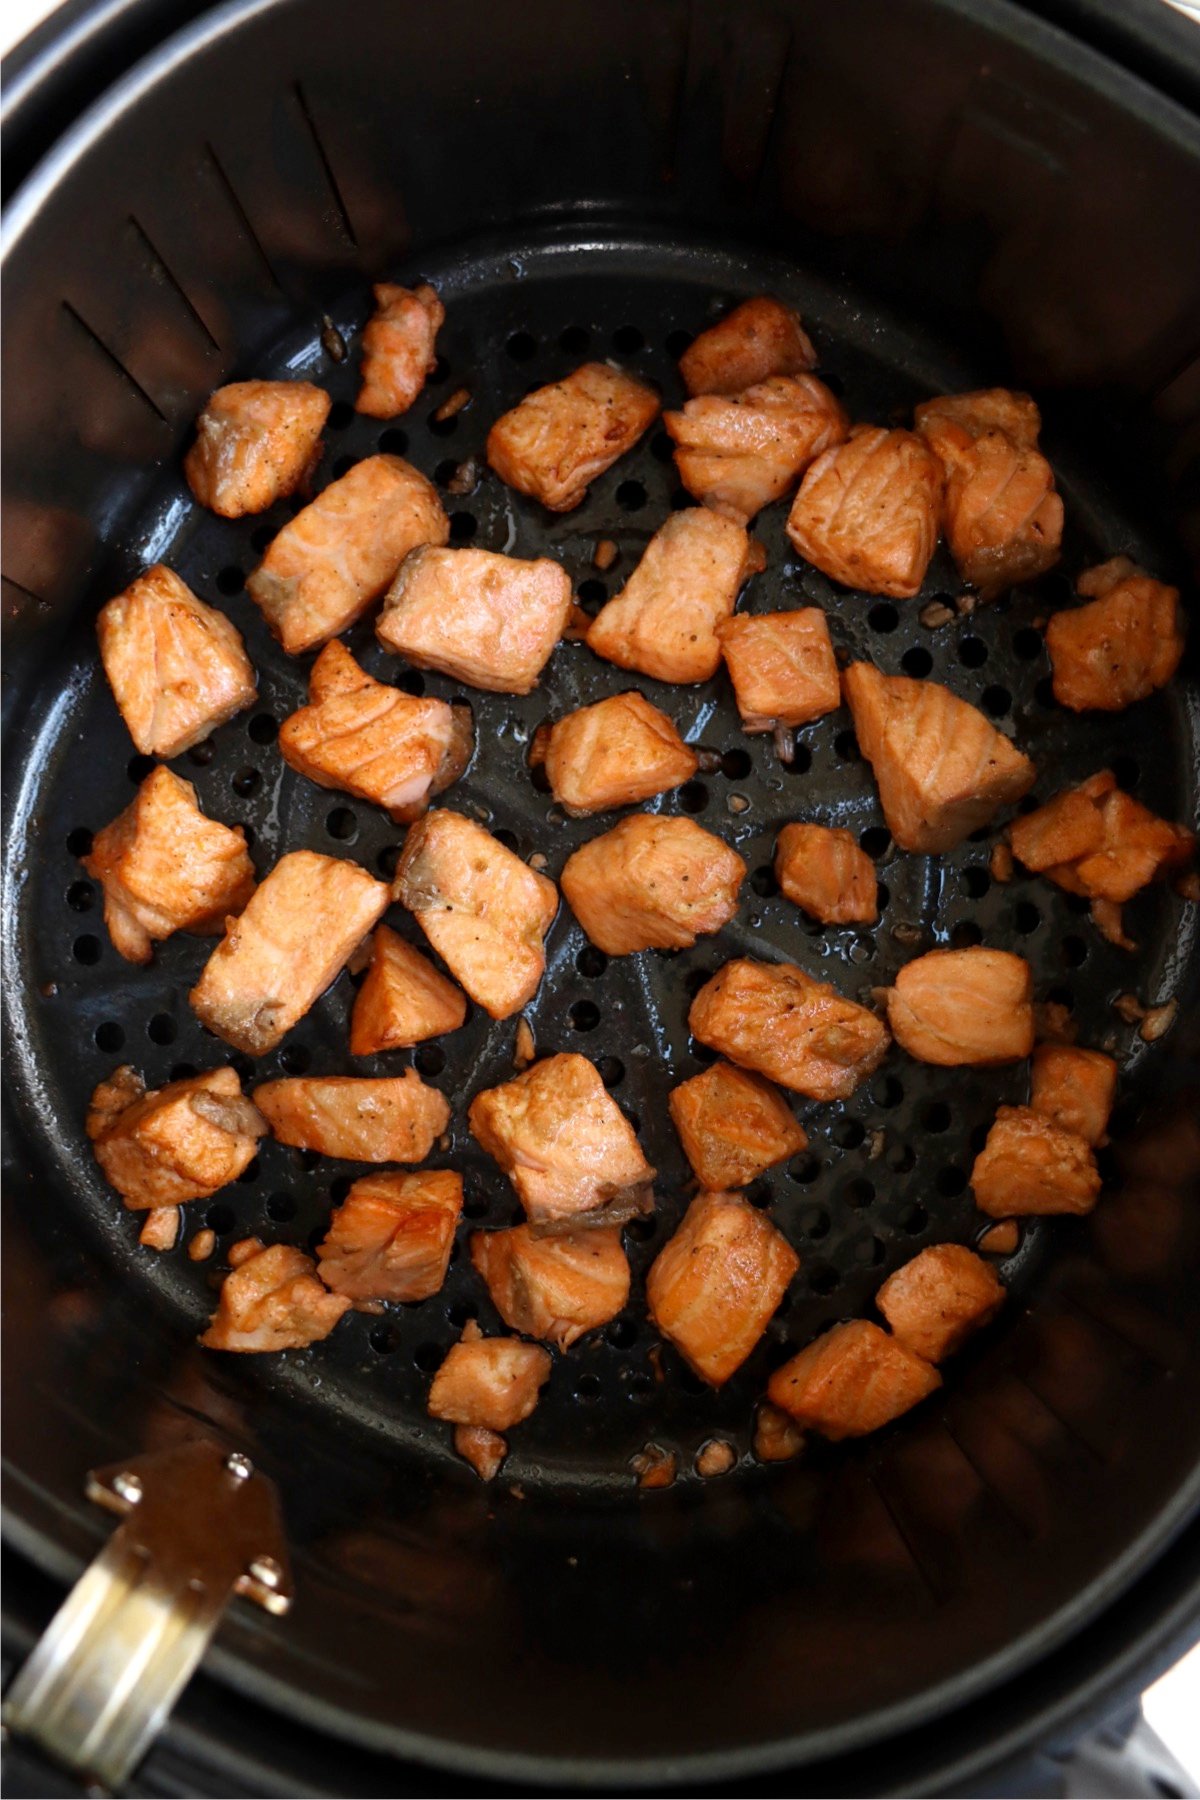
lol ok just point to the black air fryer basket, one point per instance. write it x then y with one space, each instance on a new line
954 193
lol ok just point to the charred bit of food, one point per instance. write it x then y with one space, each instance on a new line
782 667
561 437
271 1301
937 1300
166 1146
404 999
738 453
733 1126
256 442
758 339
866 514
851 1380
392 1119
1120 647
1032 1165
614 753
652 883
390 1238
822 869
480 617
555 1288
399 348
778 1021
957 1007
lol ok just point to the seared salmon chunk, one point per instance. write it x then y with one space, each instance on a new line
403 1001
867 512
1075 1089
483 910
256 442
954 1007
390 1238
1031 1165
1123 645
852 1380
399 348
164 867
782 667
333 559
177 668
556 1288
565 1145
174 1144
555 443
296 935
485 619
760 338
936 1301
713 1286
738 453
778 1021
392 1119
614 753
489 1382
733 1126
273 1301
823 870
652 883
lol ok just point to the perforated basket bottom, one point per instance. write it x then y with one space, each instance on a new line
886 1172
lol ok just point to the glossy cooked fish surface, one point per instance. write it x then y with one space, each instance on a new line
556 1288
173 1144
1032 1165
733 1126
256 442
393 1118
935 1302
758 339
652 883
1098 841
273 1301
486 619
866 514
782 667
1074 1088
492 1382
555 443
738 453
1125 643
956 1007
822 869
390 1238
779 1022
614 753
399 348
403 1000
852 1380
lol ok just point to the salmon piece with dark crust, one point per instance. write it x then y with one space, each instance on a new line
652 883
300 929
391 1119
776 1020
714 1285
866 514
758 339
959 1007
664 621
399 348
1119 648
556 1288
403 1000
323 570
166 1146
782 667
390 1238
617 752
256 442
273 1301
362 737
164 867
733 1126
851 1381
822 869
1032 1165
177 668
1075 1089
942 768
561 437
738 453
491 1383
935 1302
482 618
483 910
565 1145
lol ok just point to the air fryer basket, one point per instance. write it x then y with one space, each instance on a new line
951 199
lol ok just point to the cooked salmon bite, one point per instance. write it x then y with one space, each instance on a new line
866 514
937 1300
738 453
300 929
958 1007
256 442
403 1000
273 1301
1120 647
778 1021
1097 841
484 1450
164 868
733 1126
758 339
394 1118
489 1382
177 668
166 1146
782 667
614 753
565 1145
942 768
714 1285
561 437
323 570
1032 1165
556 1288
390 1238
399 348
482 618
822 869
1074 1088
664 621
652 883
485 912
852 1380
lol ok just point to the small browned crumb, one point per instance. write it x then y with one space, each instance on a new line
1001 1239
1040 623
539 744
966 603
708 761
539 862
452 405
160 1228
578 624
1129 1008
332 341
934 614
1053 1023
485 1450
202 1245
465 478
1000 863
777 1438
525 1050
1188 886
715 1458
876 1143
654 1466
908 935
517 1491
243 1250
784 739
1158 1021
48 990
1108 920
443 1142
655 1361
605 554
738 803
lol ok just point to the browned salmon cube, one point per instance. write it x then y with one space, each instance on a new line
1065 830
760 338
1032 1165
942 768
399 348
852 1380
954 1007
403 1001
713 1286
565 1145
1075 1089
778 1021
482 909
256 442
614 753
555 1288
485 619
1098 841
936 1301
867 512
324 569
560 437
664 621
177 668
733 1126
164 867
273 1301
951 423
782 667
822 869
362 737
489 1382
300 929
1126 642
652 883
173 1144
390 1238
393 1119
737 454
